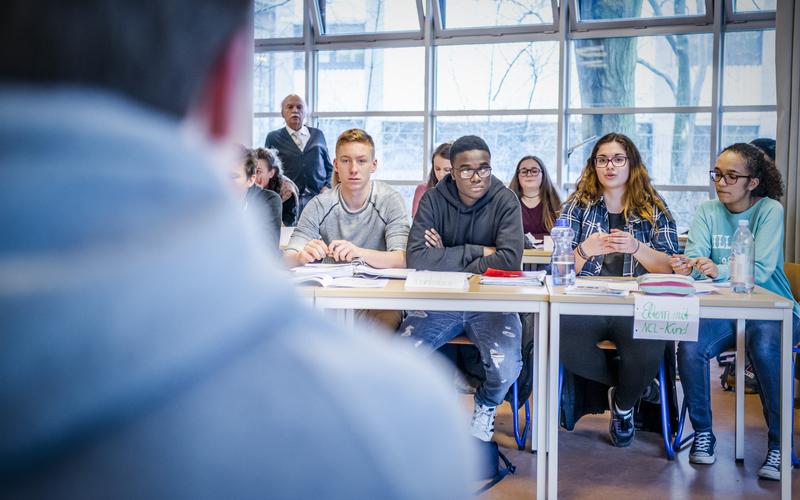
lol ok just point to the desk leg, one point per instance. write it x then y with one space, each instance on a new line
740 364
552 402
534 399
541 403
787 412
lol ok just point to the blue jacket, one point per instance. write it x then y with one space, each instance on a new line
309 169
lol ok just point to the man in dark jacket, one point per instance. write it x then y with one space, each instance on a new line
303 151
470 222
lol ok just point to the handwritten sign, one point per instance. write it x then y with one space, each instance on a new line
666 318
427 280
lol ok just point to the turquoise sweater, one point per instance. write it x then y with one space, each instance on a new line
711 235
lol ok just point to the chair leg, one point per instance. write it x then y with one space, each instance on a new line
666 431
795 459
520 438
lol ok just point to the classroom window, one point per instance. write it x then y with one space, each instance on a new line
398 142
497 76
749 68
672 70
349 17
491 13
277 18
602 10
383 80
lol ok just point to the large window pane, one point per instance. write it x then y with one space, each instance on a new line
398 143
749 73
754 5
276 75
683 206
490 13
264 125
744 127
509 138
344 17
278 18
372 80
612 10
498 76
674 147
672 70
407 192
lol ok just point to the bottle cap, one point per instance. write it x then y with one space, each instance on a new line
743 222
562 223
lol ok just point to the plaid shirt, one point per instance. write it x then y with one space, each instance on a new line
592 219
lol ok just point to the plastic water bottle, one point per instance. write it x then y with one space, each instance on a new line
742 261
563 260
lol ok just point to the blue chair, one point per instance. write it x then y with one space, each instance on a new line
666 427
520 435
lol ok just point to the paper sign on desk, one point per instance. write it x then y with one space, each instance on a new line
426 280
666 318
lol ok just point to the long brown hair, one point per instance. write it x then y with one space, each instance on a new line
551 201
640 196
442 150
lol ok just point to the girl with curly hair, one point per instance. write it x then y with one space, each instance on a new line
748 187
622 228
269 175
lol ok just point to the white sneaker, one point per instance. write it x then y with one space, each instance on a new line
483 422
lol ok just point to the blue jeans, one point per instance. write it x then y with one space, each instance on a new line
762 345
498 337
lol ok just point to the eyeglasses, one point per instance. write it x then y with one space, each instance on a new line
530 172
468 173
618 161
716 176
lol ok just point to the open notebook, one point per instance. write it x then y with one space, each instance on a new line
347 274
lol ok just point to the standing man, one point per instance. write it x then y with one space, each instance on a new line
303 151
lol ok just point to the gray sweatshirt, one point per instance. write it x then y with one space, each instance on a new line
381 224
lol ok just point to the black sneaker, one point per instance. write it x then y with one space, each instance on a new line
652 393
771 468
702 451
620 429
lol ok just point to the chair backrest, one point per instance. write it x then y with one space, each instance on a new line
793 273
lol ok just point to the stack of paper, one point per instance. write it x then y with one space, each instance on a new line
355 269
342 282
600 287
528 278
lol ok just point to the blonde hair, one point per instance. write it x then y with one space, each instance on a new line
640 196
355 135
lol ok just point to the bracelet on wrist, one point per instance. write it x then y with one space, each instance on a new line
581 252
638 244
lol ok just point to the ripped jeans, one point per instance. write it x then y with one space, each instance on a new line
498 337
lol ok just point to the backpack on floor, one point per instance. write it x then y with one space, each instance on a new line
728 378
489 456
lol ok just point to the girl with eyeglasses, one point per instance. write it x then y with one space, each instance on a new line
537 195
748 187
440 166
622 228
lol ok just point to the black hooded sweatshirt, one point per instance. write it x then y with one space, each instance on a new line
494 220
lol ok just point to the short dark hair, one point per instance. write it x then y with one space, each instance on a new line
468 143
155 51
766 145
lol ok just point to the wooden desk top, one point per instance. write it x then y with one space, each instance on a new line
536 252
476 291
721 297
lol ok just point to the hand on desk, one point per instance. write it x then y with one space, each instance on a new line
682 264
344 251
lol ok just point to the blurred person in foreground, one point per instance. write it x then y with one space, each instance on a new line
150 348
